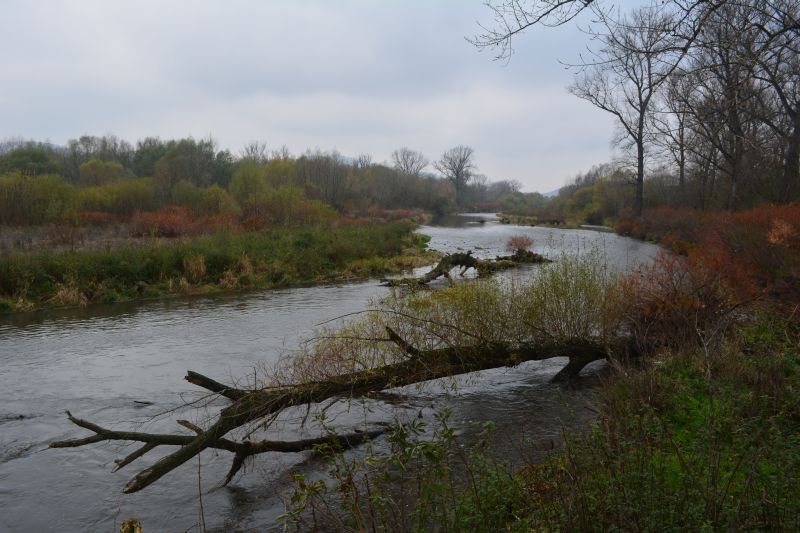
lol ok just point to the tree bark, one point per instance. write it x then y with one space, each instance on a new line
251 406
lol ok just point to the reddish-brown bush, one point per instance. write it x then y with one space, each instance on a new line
96 218
674 302
169 221
755 251
517 243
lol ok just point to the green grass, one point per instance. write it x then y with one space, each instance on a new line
690 443
222 261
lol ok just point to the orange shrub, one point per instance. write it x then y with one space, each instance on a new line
518 243
755 251
630 226
674 302
169 221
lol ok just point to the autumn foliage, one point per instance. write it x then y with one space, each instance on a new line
755 252
676 301
518 243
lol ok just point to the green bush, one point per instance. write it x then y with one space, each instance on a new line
40 199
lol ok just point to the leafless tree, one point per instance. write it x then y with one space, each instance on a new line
725 95
255 151
363 161
408 161
480 182
670 122
281 153
325 174
456 165
776 53
635 59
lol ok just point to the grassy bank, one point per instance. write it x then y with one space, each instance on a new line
687 444
699 433
257 260
703 439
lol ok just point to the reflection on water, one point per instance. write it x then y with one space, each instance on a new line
99 361
463 220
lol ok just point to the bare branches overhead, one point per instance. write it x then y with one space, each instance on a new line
711 85
512 17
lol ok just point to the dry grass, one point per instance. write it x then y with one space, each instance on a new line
229 280
69 296
194 267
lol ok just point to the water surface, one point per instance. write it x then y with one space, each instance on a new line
101 362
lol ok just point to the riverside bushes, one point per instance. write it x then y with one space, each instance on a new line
757 251
257 259
696 441
700 435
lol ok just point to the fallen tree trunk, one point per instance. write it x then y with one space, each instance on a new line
466 261
252 406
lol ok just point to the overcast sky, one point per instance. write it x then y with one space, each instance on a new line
355 76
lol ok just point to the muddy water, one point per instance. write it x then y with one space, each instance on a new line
122 366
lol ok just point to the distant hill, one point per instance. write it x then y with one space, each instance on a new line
551 194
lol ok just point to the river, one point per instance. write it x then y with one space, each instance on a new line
101 362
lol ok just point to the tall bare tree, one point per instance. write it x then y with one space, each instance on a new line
255 151
776 52
409 162
670 122
456 165
724 101
635 59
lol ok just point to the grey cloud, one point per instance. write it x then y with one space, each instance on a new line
356 76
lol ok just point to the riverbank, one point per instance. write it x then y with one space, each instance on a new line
694 441
703 435
221 262
699 434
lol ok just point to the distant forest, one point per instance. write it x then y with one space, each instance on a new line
94 180
706 97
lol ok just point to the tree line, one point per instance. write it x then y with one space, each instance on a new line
91 176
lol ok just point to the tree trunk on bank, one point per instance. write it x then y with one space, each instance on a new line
638 203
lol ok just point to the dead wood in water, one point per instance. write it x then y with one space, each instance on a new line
466 261
261 406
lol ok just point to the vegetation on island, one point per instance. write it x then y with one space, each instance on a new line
224 261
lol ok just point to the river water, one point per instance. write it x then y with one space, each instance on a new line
102 362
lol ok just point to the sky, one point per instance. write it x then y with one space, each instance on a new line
354 76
